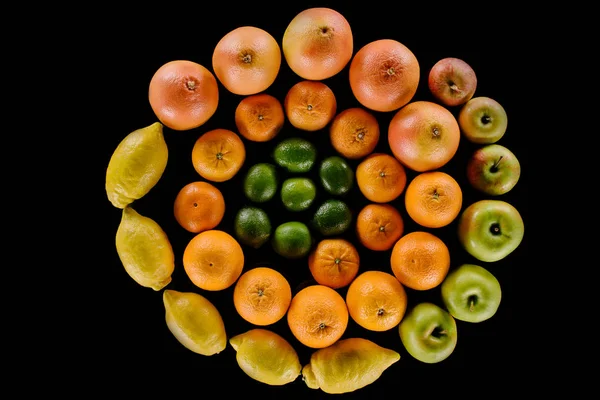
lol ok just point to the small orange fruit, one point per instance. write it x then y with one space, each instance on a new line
423 136
183 94
433 199
247 60
199 206
259 117
376 301
317 44
334 262
213 260
354 133
310 105
380 178
218 155
262 296
384 75
379 226
420 260
317 316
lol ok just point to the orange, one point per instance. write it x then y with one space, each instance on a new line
384 75
376 301
262 296
213 260
218 155
317 316
423 136
317 44
247 60
183 94
199 206
354 133
380 178
433 199
259 117
420 260
334 262
310 105
379 226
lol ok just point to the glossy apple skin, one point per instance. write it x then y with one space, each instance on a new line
471 293
483 120
428 333
493 169
490 230
452 81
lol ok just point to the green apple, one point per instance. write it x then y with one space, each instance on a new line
493 169
452 81
482 120
428 333
471 293
490 230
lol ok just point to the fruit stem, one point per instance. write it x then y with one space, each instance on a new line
260 117
391 71
472 305
219 156
247 59
191 85
454 88
309 107
496 165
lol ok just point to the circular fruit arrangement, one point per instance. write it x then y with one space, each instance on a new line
334 208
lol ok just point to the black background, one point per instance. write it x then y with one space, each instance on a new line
134 333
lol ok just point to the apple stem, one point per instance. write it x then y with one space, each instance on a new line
496 165
472 306
454 88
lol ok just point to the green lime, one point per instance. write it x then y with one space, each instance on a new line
297 194
296 155
260 183
252 226
292 240
337 177
333 217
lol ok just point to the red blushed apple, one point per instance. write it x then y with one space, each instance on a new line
493 169
452 81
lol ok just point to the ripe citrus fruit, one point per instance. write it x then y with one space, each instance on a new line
334 262
317 43
310 105
259 117
376 301
247 60
384 75
252 226
336 175
295 154
380 178
317 316
218 155
262 296
292 240
333 217
379 226
213 260
260 182
433 199
183 94
354 133
423 136
298 194
420 260
199 206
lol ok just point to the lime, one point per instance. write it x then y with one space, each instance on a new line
297 194
252 226
333 217
296 155
337 177
260 183
292 240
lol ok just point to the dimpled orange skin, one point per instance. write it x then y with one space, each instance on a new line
199 206
379 226
183 94
213 260
354 133
420 260
247 60
218 155
310 105
334 262
259 117
423 136
381 178
384 75
318 43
